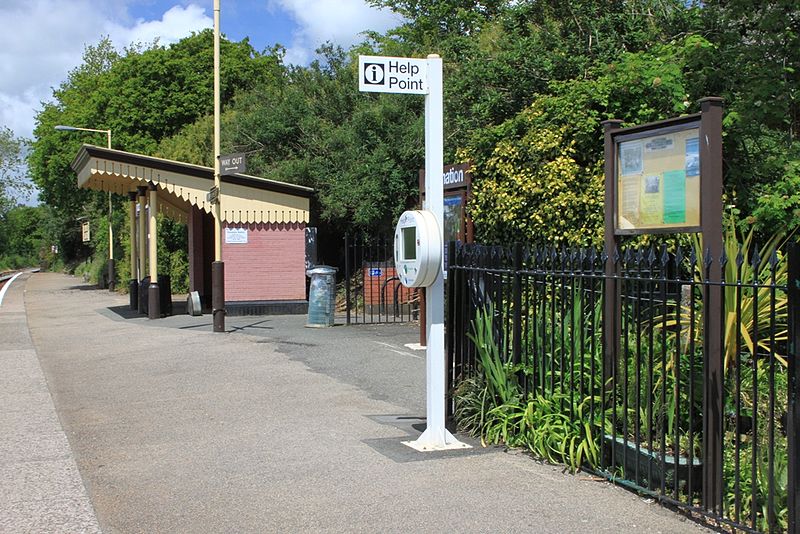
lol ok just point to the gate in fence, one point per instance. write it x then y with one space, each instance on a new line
372 291
641 410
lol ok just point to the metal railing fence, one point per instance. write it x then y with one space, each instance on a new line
371 289
638 369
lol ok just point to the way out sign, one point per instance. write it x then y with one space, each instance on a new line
382 74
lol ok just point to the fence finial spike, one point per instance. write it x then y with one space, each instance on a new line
773 259
664 255
707 258
627 257
756 260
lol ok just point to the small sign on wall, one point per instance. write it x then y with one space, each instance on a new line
235 236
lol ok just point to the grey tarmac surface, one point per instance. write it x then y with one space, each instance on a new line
277 428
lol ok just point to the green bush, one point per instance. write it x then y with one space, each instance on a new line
554 426
179 271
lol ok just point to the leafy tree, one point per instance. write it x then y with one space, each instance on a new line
12 183
542 171
360 152
144 94
11 168
755 67
25 232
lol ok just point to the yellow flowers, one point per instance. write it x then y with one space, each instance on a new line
533 188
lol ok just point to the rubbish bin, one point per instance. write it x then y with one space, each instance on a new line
321 296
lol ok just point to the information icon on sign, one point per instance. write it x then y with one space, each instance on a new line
374 73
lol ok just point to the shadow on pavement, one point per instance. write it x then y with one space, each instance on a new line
84 287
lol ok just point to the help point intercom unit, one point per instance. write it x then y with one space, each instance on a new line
417 248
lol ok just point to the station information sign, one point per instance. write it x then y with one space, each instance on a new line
383 74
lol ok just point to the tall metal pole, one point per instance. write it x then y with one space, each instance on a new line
111 266
793 411
436 435
218 267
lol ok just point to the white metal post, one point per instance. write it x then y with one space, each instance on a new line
436 436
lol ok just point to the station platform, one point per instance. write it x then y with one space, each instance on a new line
123 424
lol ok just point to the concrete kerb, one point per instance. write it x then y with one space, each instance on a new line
278 428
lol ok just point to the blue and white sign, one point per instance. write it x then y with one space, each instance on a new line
383 74
236 236
375 272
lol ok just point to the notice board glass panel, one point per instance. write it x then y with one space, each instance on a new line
658 180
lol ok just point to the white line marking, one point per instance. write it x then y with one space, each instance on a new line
6 286
393 348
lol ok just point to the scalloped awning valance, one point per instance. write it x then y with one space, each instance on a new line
244 199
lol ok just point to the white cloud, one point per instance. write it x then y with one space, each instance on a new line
340 22
42 40
176 23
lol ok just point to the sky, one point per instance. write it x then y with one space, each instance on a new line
42 40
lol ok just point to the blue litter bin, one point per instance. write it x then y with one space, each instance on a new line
321 296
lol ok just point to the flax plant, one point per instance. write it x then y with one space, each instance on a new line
554 426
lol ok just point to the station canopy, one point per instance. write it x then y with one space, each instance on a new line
244 200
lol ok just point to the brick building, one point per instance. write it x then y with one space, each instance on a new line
263 223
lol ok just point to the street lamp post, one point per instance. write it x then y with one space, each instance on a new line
218 266
111 270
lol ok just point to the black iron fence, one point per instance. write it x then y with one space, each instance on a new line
620 344
372 292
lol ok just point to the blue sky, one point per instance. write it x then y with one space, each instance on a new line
257 19
42 40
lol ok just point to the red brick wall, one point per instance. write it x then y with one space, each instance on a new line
270 266
373 285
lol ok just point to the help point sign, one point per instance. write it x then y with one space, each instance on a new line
382 74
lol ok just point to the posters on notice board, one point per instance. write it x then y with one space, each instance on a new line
658 181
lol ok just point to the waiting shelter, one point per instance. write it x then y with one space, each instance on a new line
263 225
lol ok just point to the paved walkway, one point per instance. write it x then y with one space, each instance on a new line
271 428
41 489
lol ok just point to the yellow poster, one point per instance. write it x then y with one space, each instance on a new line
652 201
629 201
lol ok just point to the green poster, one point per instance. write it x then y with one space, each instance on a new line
675 197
